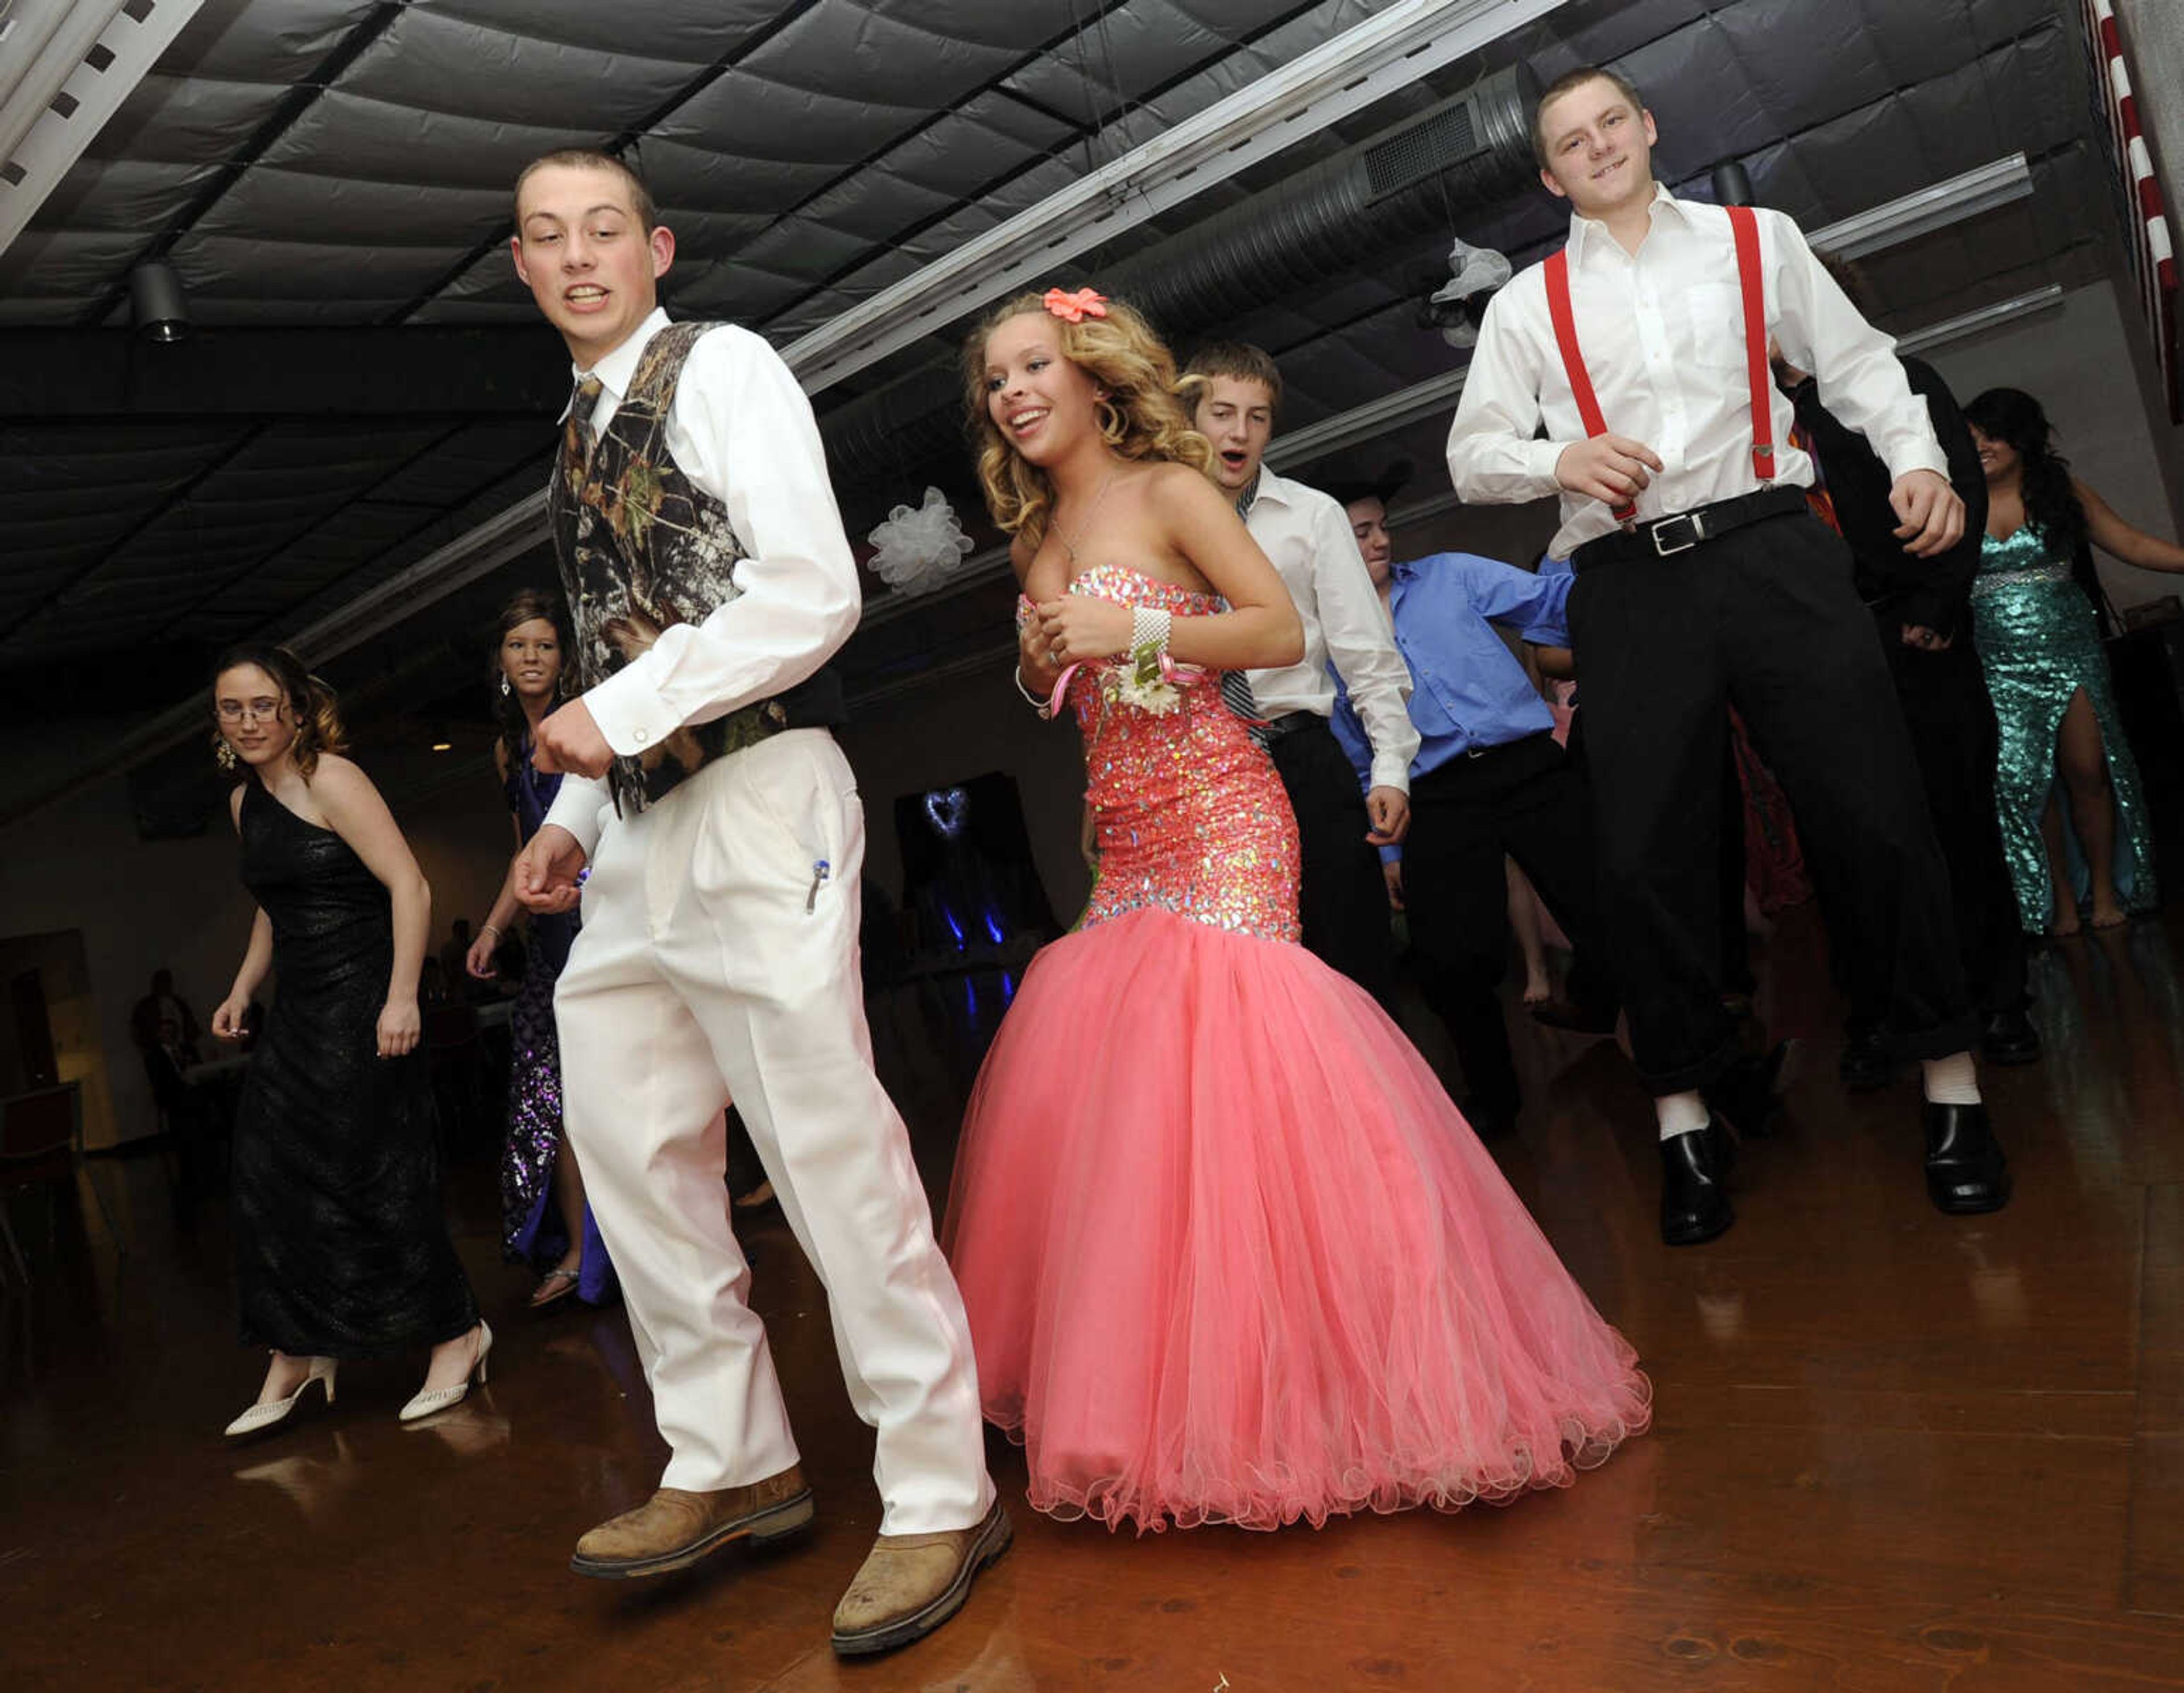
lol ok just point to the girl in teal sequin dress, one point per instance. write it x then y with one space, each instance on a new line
2037 616
1229 1253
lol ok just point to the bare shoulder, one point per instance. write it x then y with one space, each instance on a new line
235 805
1177 488
340 783
1021 555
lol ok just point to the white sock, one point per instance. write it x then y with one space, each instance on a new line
1682 1113
1951 1081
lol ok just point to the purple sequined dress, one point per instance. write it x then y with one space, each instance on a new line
531 1225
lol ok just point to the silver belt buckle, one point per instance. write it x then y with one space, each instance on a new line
1696 520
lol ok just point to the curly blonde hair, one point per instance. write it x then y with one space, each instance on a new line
318 717
1146 413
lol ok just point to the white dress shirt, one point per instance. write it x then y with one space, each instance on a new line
1307 535
741 429
1662 336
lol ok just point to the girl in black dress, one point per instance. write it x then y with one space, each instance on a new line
342 1250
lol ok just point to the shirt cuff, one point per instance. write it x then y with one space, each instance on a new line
580 809
1915 455
630 712
1540 457
1389 773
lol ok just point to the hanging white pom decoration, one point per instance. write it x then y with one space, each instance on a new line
919 550
1474 272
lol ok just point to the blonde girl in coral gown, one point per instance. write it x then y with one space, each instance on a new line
1230 1252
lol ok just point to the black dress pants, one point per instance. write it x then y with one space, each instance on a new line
1951 719
1525 799
1764 618
1343 901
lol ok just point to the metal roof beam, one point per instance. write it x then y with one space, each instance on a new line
78 63
1365 63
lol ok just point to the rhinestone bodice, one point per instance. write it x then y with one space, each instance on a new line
1188 812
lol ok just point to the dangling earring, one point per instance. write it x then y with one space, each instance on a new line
224 755
504 689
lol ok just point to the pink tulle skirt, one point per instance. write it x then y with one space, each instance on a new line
1232 1255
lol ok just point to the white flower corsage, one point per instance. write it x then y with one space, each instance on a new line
1144 677
1144 680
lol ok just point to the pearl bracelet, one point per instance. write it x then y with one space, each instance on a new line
1150 628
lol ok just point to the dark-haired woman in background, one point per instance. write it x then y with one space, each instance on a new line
2038 616
342 1250
560 1239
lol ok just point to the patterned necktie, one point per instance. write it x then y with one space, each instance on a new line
1236 684
1817 497
576 432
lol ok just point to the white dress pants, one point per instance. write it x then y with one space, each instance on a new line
718 960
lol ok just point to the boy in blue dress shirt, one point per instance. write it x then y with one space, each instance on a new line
1488 779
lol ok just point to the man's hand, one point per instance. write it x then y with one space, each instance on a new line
1926 640
1933 517
1609 468
570 742
1392 873
1389 809
545 872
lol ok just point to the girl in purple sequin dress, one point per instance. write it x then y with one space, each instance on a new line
1229 1253
544 1220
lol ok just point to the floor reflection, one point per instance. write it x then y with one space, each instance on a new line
1891 1449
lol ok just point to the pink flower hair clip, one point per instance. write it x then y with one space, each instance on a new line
1076 307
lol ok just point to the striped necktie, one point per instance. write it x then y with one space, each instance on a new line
1236 684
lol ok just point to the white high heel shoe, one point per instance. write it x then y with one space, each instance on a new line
273 1411
429 1400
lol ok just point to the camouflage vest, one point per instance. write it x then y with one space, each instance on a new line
641 547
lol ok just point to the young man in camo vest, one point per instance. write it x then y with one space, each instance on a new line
709 582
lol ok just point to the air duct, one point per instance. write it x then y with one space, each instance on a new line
1461 155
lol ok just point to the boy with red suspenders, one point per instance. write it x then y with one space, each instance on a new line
1704 581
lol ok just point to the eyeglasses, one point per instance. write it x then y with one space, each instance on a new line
256 710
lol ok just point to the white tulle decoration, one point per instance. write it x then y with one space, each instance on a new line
1474 272
919 550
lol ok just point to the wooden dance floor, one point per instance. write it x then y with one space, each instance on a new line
1893 1450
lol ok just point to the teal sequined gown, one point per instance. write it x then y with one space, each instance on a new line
2041 643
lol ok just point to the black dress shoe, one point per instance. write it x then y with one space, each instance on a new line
1866 1062
1744 1095
1966 1173
2009 1038
1694 1206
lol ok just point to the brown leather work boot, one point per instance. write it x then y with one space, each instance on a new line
673 1529
911 1584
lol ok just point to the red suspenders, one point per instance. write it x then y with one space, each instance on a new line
1581 381
1745 228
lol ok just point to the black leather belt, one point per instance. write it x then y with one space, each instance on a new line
1288 724
1663 537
